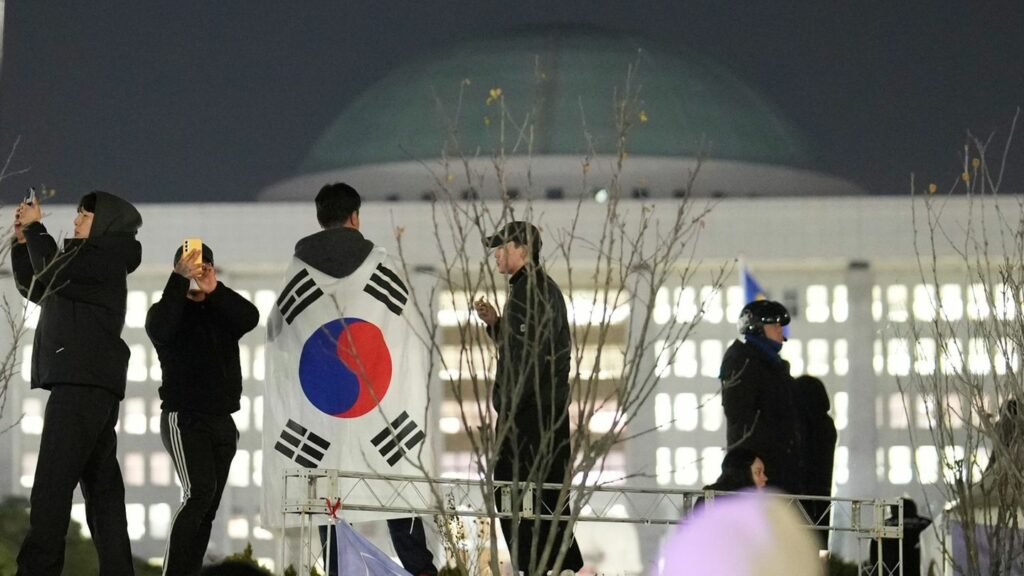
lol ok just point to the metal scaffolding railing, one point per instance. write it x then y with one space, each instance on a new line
312 496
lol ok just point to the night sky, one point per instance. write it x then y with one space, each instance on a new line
212 101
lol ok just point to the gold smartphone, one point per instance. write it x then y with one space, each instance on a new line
191 245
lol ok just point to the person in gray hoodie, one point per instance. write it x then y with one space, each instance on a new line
79 357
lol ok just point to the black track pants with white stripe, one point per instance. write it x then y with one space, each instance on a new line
202 447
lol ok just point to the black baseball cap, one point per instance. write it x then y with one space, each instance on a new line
522 233
207 254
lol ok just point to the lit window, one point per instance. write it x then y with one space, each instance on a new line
924 302
711 464
954 411
981 461
138 363
257 467
952 463
245 361
977 303
259 363
1006 356
685 365
735 301
155 296
32 416
662 312
1006 304
711 300
952 360
927 464
257 413
952 301
663 411
686 307
900 467
78 515
876 303
238 475
878 358
897 412
840 304
817 303
663 465
134 419
449 425
159 521
685 410
267 563
597 307
602 421
133 465
264 302
817 357
136 514
238 527
261 533
978 360
711 414
663 358
32 312
154 415
241 417
245 294
924 356
792 352
896 295
840 357
686 472
841 466
898 357
28 468
840 406
156 373
711 358
26 363
136 306
924 407
160 469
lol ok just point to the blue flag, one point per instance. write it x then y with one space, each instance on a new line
752 290
358 557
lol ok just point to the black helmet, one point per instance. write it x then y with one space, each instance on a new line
756 314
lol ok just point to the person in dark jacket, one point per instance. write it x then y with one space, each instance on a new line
818 440
196 333
913 526
338 250
79 356
757 395
531 393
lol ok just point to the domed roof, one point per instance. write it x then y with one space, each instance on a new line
564 79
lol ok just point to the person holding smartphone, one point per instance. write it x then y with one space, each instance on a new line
195 332
79 356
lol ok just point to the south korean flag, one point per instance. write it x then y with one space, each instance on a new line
347 379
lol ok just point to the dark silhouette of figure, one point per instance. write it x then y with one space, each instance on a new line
818 443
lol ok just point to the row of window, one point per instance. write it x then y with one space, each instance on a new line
134 419
246 469
980 356
688 358
455 307
689 466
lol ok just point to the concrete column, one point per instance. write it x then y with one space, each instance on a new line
861 434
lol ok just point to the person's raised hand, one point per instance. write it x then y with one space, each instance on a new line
486 312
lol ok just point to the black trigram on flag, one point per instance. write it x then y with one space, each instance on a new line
386 286
299 444
298 294
392 446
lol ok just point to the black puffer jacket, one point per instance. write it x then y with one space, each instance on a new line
78 338
760 412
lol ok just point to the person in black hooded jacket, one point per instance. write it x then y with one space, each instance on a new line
196 334
758 395
79 356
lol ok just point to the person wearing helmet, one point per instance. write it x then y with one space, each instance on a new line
757 395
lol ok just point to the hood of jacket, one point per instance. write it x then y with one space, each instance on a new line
336 252
114 226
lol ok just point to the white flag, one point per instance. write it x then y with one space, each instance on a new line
347 380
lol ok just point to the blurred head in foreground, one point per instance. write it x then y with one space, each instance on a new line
742 535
